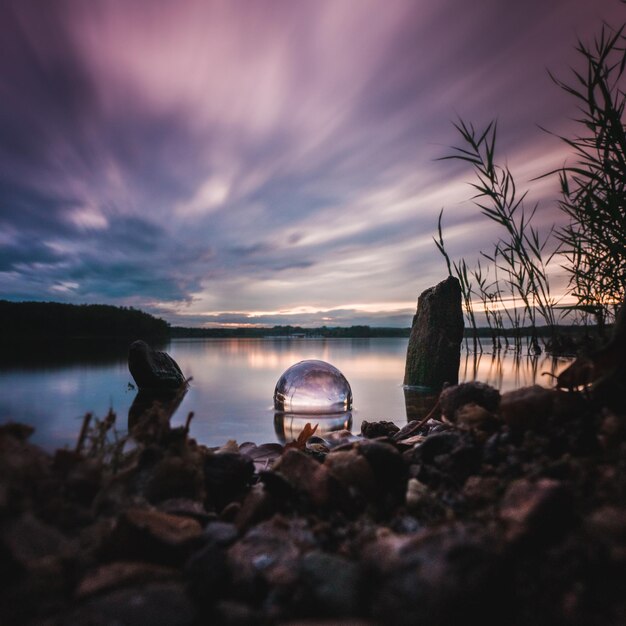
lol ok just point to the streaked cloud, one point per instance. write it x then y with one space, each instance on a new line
265 162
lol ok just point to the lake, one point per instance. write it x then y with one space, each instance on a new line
231 393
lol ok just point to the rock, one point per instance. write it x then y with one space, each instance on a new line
389 469
206 571
474 416
434 351
447 457
152 369
306 476
227 476
353 472
455 397
371 430
267 556
157 604
526 408
607 526
173 477
122 574
149 535
481 489
447 576
332 585
184 507
260 503
27 541
536 510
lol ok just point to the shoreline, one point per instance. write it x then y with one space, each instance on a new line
506 508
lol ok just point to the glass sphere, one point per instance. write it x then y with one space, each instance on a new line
314 387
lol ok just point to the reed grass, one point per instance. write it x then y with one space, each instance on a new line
593 190
520 254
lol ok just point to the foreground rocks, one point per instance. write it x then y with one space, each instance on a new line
508 510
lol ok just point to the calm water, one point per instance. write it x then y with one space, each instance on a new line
233 384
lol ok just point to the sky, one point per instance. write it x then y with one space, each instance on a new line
268 161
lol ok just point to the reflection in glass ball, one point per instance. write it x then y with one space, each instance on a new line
289 425
313 387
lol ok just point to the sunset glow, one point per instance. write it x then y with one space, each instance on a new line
260 163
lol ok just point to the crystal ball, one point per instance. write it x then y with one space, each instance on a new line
314 387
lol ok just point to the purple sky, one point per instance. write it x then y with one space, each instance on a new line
266 161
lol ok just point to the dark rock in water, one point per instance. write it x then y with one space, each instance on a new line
152 369
434 352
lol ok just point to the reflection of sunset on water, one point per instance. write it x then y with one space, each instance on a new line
231 393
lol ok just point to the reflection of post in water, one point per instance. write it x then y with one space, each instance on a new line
496 371
472 359
154 406
418 402
289 425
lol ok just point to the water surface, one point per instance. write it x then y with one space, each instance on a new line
233 384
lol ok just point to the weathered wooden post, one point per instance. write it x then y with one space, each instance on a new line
434 352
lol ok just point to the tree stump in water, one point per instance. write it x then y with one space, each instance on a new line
434 352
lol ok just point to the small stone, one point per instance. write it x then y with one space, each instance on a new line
389 468
454 398
371 430
306 475
157 604
526 408
481 489
266 556
474 416
332 585
122 574
415 492
150 535
227 476
174 477
353 471
28 541
538 510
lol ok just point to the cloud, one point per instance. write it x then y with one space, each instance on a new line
211 157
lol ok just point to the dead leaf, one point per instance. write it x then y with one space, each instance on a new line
300 443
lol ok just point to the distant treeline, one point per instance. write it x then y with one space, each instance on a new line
289 331
52 319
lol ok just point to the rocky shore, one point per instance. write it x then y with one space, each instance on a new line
498 510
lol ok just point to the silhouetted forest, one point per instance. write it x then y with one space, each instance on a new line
53 319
